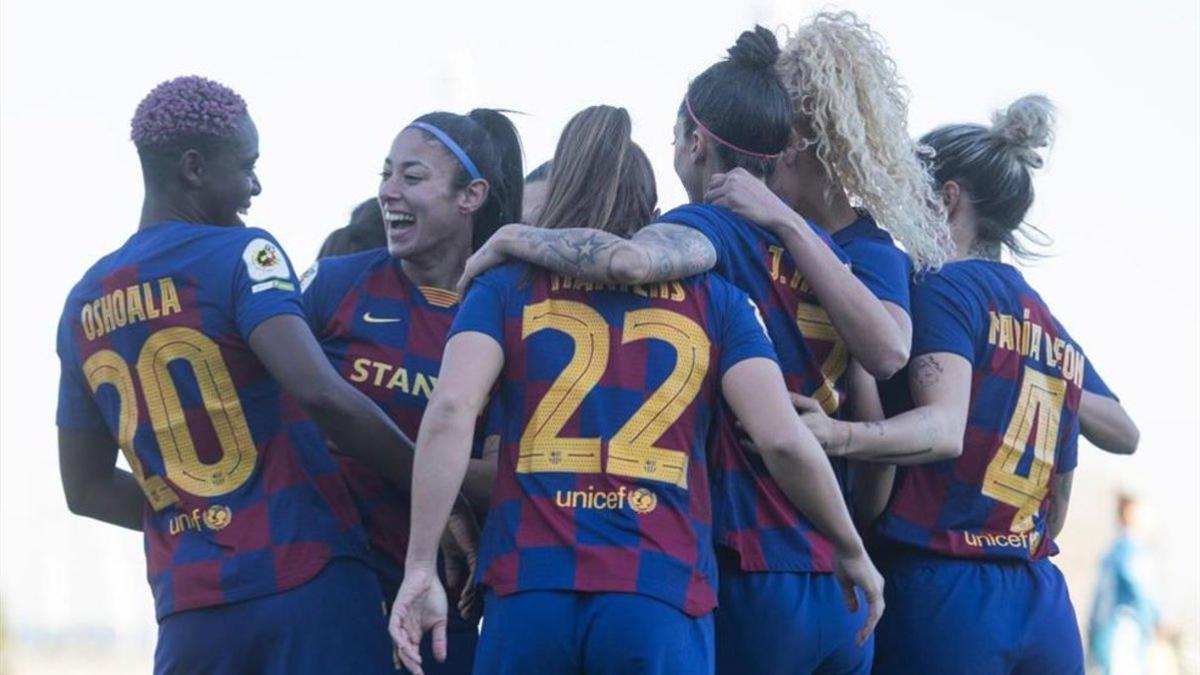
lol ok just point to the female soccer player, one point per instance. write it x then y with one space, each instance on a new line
739 114
187 349
597 553
382 316
1000 394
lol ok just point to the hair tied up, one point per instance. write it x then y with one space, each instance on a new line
1027 124
755 49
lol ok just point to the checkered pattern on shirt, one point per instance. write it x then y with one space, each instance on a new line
293 513
941 506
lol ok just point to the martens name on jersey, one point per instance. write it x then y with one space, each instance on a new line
667 290
132 304
1030 339
389 376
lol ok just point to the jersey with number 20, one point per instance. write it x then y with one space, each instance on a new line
243 499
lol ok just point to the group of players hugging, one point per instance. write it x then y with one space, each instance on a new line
627 441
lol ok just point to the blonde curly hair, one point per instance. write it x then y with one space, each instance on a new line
847 94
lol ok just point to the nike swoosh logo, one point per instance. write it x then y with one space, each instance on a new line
375 319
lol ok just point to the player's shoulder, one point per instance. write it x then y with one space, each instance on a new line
510 274
343 270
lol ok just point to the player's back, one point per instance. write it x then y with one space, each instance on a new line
602 485
1022 424
245 500
752 516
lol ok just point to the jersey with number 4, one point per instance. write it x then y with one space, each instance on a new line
609 394
1022 425
752 516
243 499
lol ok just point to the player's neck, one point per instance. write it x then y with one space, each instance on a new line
436 271
821 203
156 209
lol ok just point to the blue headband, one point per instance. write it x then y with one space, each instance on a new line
452 147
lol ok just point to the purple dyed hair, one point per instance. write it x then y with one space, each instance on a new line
183 107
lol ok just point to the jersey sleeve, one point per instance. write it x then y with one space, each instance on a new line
884 270
1092 382
264 284
743 334
77 408
945 319
482 311
702 219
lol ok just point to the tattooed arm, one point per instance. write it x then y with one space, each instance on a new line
658 252
1060 488
932 431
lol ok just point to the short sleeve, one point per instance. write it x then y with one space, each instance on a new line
482 311
1093 383
743 335
318 298
883 269
264 284
77 408
701 218
944 318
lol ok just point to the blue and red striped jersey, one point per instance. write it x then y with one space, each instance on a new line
751 515
243 497
874 258
609 393
385 335
1022 424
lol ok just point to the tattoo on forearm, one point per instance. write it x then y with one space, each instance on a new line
668 252
928 371
678 251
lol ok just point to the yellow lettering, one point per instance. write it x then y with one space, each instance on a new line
151 311
776 255
422 384
562 500
399 380
170 298
85 319
993 327
118 303
133 302
106 313
380 369
360 370
677 293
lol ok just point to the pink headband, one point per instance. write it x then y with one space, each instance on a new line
688 104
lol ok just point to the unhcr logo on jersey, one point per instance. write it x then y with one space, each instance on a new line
640 500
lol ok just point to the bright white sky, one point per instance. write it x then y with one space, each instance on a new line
330 88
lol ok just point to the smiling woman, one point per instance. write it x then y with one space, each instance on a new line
382 316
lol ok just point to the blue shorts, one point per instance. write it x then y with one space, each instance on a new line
334 623
947 615
785 623
563 632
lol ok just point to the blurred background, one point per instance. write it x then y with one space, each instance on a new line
329 89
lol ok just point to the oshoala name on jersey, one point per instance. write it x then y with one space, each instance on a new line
388 376
1027 338
132 304
667 290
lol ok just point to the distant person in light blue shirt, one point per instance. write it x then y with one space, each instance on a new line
1125 612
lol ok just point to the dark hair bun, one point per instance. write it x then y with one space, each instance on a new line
756 48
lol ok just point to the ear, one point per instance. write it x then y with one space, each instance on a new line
654 216
472 197
191 168
697 146
952 196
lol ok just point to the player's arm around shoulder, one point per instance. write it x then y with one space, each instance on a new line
657 252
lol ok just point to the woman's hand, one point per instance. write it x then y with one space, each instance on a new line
420 607
492 253
749 197
828 431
